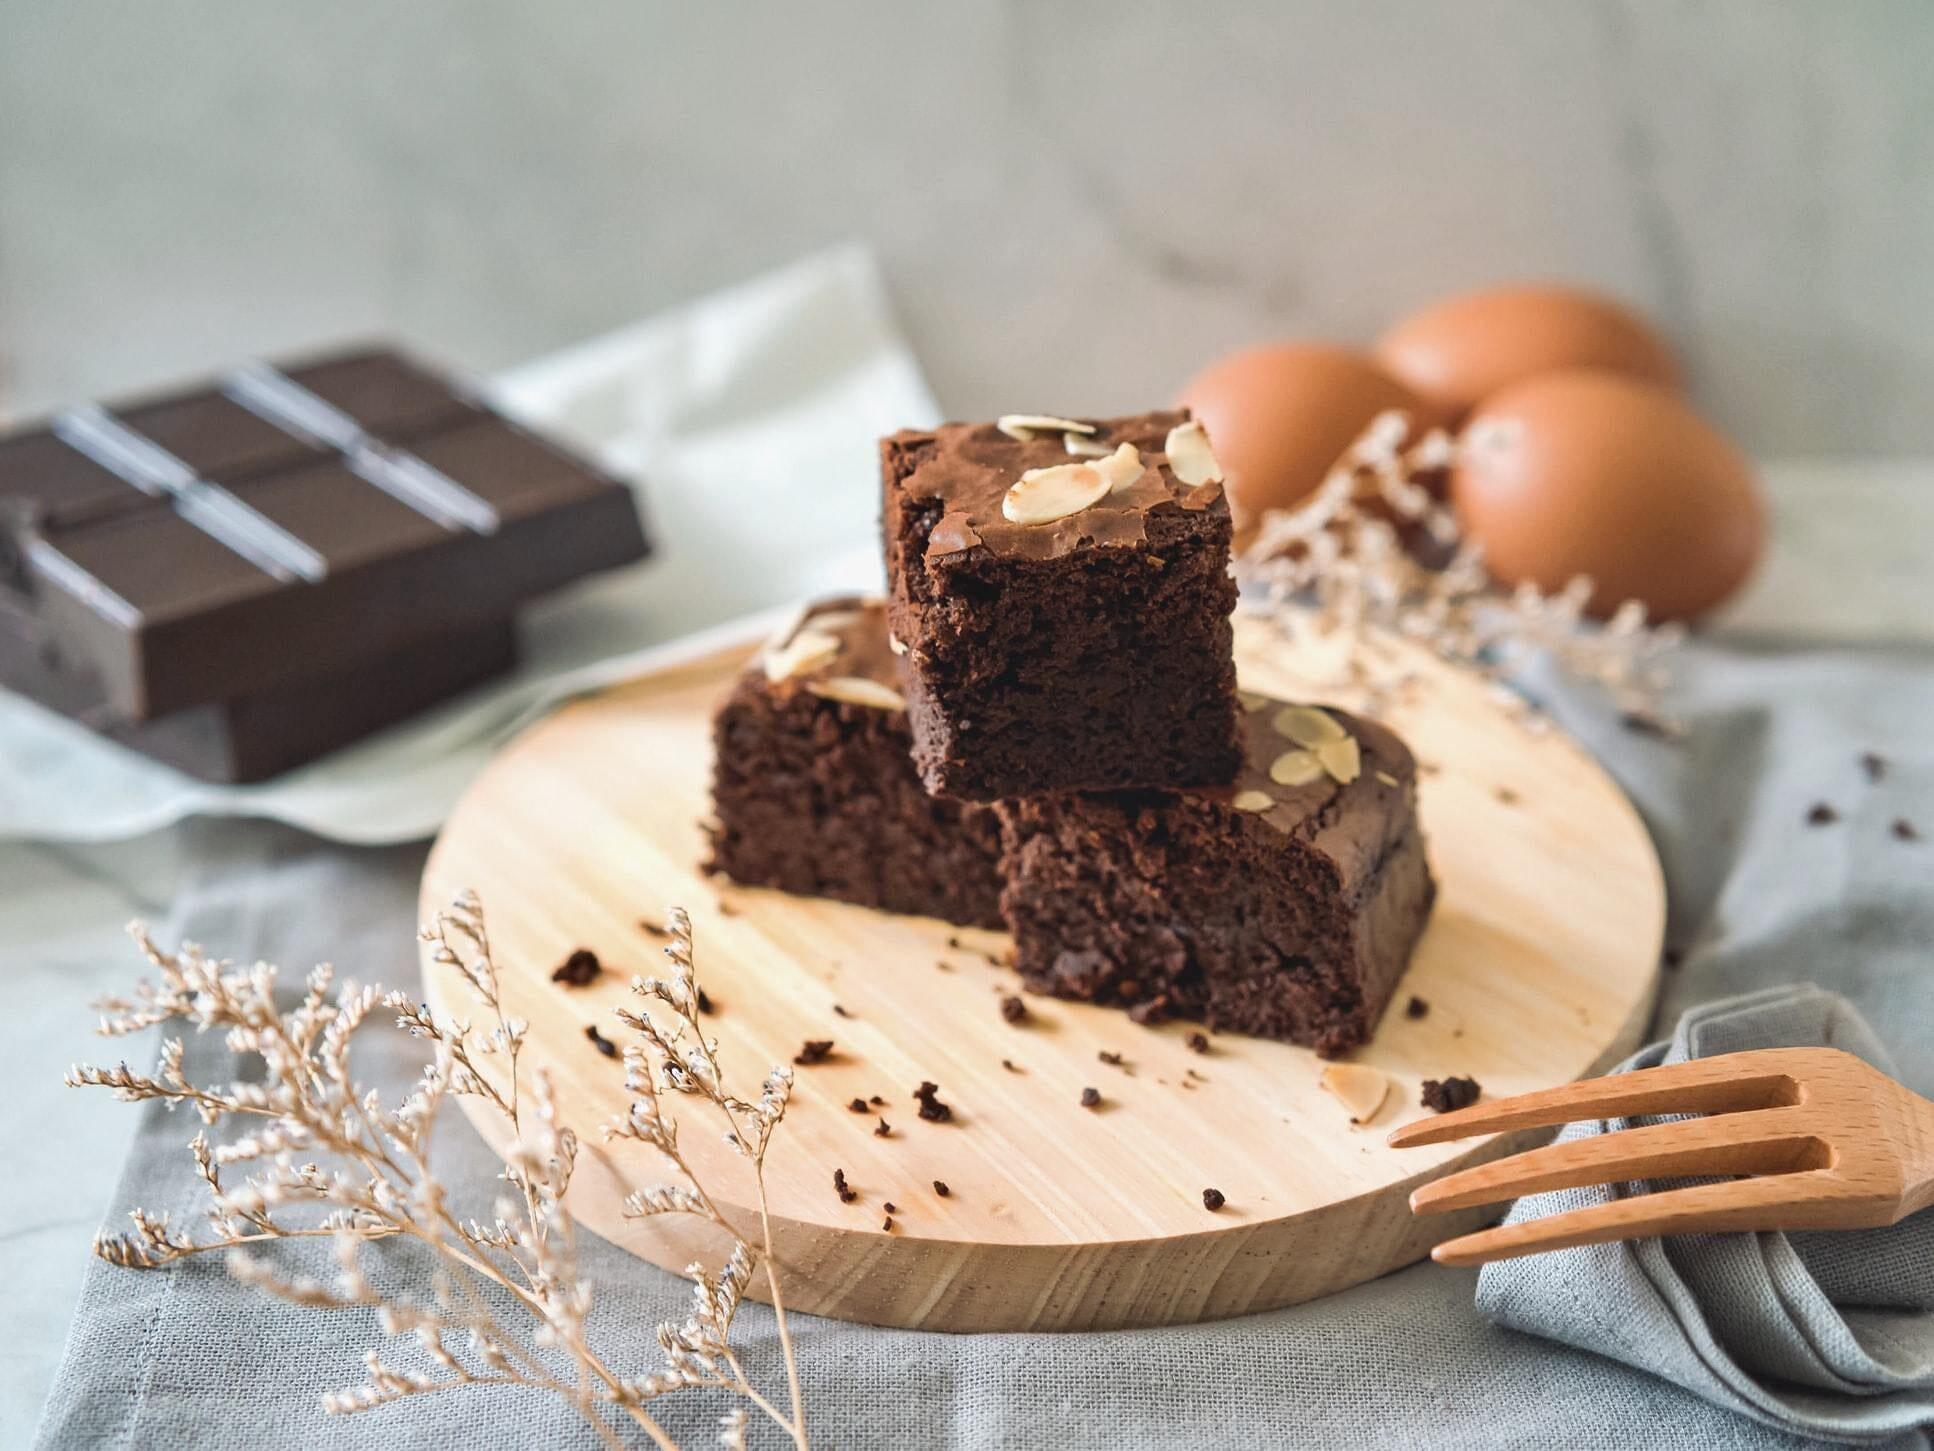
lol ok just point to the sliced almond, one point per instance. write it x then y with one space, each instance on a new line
1190 458
806 651
1122 467
1044 495
893 643
1022 427
858 690
1360 1088
1308 726
1082 446
1252 701
1388 779
1253 801
1295 768
1342 759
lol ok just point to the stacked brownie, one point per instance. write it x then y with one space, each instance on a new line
1056 656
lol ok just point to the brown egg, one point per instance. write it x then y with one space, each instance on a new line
1460 351
1598 474
1280 415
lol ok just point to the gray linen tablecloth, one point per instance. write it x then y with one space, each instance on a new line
1759 898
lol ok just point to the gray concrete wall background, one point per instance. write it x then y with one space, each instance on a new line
1076 202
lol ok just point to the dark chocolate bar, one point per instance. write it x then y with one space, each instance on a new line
289 523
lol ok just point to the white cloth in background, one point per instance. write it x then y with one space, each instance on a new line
749 419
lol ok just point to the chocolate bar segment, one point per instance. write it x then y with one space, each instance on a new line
258 736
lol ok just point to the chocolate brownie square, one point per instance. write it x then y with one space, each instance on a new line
813 784
1285 905
1062 589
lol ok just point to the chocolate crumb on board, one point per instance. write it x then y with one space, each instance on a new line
887 1224
1506 795
840 1012
883 1130
1416 1007
953 941
578 969
940 1188
847 1194
704 1001
1448 1094
1091 1098
1822 815
1010 1065
813 1050
876 1101
1150 1011
1197 1042
931 1108
1905 830
1874 764
603 1044
890 1207
726 909
1113 1060
1212 1200
1013 1009
653 929
943 964
858 1105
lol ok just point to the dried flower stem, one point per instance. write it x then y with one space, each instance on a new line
378 1184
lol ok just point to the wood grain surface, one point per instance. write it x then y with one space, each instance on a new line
1539 966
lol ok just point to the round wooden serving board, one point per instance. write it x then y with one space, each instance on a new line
1539 966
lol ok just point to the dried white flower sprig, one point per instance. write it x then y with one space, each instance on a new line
321 1157
1348 558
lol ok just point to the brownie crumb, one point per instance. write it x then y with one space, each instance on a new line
1197 1042
726 909
1113 1060
1013 1009
890 1207
813 1050
1010 1065
578 969
1822 815
840 1012
1447 1094
603 1044
1150 1011
940 1188
1416 1007
883 1130
1091 1098
887 1224
858 1105
1212 1200
953 941
931 1108
1905 830
847 1194
1506 796
704 1001
1874 764
653 929
943 964
876 1101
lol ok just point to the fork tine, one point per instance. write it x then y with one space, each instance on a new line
1764 1142
1811 1199
1704 1085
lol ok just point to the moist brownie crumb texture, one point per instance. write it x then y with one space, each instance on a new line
1090 651
1283 910
814 790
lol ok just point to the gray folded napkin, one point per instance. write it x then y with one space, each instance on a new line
1826 1334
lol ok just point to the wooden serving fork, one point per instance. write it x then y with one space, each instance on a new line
1827 1142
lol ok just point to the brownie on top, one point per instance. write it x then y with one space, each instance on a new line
1062 590
814 789
1285 905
